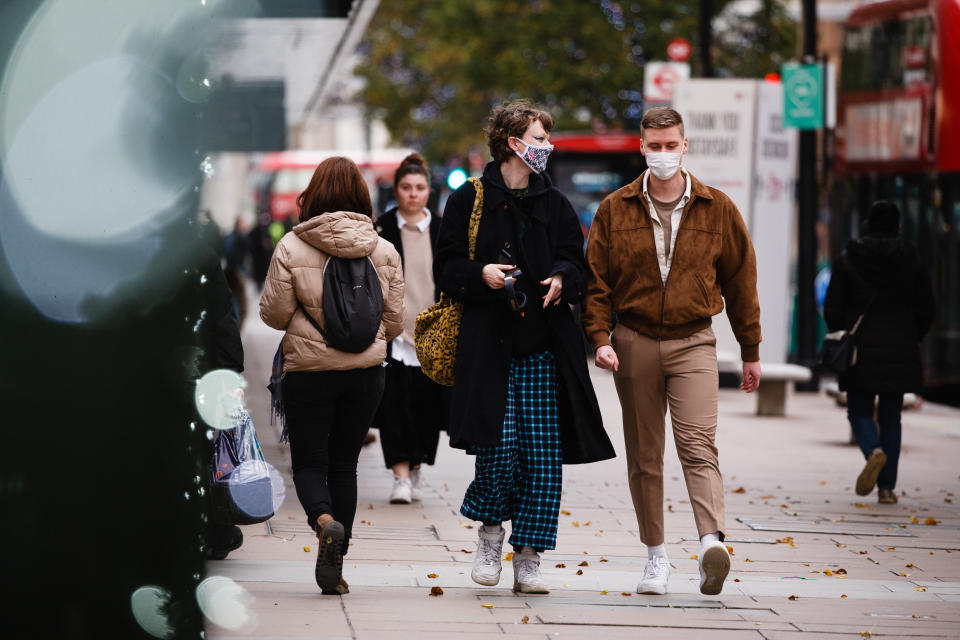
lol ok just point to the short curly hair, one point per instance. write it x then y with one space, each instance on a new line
511 120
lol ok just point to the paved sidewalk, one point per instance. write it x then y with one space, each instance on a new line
791 516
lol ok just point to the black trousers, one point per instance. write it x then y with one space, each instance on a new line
413 412
328 414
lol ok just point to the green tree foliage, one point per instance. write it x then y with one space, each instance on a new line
754 41
435 68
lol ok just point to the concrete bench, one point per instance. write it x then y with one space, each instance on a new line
772 393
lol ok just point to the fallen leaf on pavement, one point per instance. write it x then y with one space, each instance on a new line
736 579
524 619
604 560
587 564
432 575
793 598
579 572
307 548
626 593
587 523
465 551
561 565
693 557
930 521
604 592
914 520
487 606
766 497
729 549
670 508
827 572
909 566
509 556
436 591
739 490
843 595
919 588
576 524
564 512
859 505
904 575
866 634
748 560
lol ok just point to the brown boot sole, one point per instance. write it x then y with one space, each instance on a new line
867 479
329 569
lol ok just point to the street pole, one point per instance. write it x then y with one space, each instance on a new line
706 38
807 241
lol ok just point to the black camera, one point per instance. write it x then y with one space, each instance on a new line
516 298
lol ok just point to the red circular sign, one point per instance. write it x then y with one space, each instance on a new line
679 50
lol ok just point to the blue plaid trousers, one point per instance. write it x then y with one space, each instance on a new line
520 479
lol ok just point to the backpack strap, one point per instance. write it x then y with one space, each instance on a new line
475 216
316 325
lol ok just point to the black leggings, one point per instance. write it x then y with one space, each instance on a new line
328 414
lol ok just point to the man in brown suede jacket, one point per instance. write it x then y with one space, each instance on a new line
664 254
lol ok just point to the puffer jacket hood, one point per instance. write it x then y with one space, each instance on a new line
342 233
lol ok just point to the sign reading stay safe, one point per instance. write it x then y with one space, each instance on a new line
802 95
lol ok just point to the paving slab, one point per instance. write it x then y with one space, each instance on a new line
791 515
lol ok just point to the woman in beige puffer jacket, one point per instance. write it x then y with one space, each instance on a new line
330 396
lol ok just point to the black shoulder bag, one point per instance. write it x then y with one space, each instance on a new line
838 353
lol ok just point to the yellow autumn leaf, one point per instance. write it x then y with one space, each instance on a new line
604 560
843 595
729 549
914 520
693 557
587 523
432 575
859 505
823 482
739 490
909 566
866 634
827 572
604 592
466 526
564 512
487 606
436 591
576 524
509 556
626 593
930 521
524 619
748 560
584 564
919 588
561 565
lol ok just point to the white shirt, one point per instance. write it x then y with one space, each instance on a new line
664 257
403 351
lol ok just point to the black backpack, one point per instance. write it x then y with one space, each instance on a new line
352 304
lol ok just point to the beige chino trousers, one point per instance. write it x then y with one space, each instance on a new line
681 374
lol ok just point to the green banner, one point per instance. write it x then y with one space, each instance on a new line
802 95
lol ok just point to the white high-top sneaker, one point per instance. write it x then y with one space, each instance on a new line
415 491
402 491
486 564
655 576
714 567
526 572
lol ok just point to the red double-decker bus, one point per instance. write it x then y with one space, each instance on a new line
898 138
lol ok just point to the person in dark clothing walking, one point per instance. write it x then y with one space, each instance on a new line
880 277
414 408
522 399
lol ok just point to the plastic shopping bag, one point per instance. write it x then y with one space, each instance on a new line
241 485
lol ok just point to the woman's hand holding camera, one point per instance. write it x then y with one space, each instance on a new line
493 274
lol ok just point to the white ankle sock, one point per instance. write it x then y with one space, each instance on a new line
491 528
707 539
657 551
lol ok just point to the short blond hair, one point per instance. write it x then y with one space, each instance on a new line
661 118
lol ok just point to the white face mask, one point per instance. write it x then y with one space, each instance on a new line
535 157
664 164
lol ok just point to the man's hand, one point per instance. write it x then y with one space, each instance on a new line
556 286
493 274
751 376
606 358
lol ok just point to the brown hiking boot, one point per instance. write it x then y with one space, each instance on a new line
867 479
886 496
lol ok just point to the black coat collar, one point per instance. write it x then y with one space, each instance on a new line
497 191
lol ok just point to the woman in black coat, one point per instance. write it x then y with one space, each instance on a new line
414 408
880 277
522 402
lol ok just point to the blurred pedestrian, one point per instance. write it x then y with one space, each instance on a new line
879 277
260 244
330 396
235 249
665 252
523 402
414 408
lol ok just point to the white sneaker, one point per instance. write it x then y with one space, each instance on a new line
714 567
655 576
402 491
416 493
486 564
526 572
